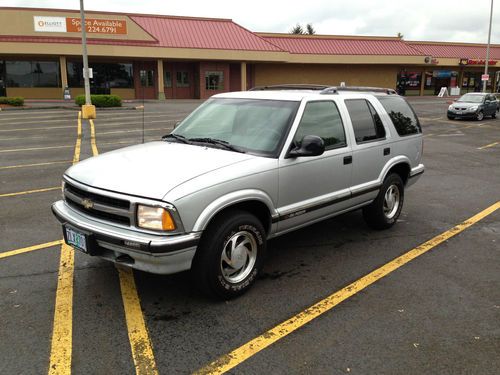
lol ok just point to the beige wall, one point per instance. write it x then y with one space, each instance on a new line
124 93
352 75
35 92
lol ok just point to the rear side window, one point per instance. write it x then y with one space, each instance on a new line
322 119
365 121
402 116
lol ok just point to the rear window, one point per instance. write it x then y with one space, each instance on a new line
365 121
401 114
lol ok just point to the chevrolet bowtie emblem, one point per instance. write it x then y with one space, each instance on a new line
87 203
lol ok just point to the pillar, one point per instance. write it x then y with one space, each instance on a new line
243 76
161 83
64 73
422 83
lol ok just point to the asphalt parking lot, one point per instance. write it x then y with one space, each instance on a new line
437 314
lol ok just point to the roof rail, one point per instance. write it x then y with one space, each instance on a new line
297 86
336 89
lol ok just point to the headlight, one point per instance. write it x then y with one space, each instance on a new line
156 218
450 107
473 108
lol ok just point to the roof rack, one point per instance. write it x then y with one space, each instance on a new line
325 89
297 86
336 89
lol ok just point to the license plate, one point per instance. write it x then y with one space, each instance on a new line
459 112
76 239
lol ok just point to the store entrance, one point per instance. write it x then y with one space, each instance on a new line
2 79
441 82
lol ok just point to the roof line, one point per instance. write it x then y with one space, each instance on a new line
324 36
119 13
464 44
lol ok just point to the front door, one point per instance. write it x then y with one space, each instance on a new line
311 188
145 80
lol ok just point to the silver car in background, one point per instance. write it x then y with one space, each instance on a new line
241 169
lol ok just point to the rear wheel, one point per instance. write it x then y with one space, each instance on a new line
384 211
230 255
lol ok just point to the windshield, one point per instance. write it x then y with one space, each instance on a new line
251 125
471 98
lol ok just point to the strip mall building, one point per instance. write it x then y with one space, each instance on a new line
156 57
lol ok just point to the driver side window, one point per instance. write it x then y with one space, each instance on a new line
322 119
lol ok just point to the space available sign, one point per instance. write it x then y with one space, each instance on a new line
50 24
73 25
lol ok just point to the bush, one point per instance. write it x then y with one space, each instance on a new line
16 101
100 100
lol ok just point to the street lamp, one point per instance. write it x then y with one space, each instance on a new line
88 110
488 49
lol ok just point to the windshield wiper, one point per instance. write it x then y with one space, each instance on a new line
177 137
217 142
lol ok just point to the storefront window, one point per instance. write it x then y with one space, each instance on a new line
439 78
167 78
2 78
182 79
32 73
105 75
471 82
214 80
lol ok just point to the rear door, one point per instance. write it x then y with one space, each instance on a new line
311 188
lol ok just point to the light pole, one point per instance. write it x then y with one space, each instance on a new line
88 110
488 48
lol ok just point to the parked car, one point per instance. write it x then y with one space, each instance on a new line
474 106
243 168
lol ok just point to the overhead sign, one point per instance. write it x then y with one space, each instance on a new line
485 77
50 24
74 25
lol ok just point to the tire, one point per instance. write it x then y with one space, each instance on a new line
480 116
494 115
381 213
451 118
236 237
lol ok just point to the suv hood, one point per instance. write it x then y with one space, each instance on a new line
151 170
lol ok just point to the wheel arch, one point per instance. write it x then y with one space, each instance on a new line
400 166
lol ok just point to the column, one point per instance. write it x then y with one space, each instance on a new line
64 73
243 76
422 83
161 83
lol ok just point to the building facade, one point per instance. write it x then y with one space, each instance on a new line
156 57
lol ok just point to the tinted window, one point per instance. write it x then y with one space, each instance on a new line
365 120
401 115
32 73
108 75
322 119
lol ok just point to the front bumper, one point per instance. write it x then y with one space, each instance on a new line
146 252
463 114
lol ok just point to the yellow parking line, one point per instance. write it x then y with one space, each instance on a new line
237 356
10 253
488 146
29 192
36 164
62 331
33 148
140 343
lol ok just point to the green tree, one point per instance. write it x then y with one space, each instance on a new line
297 29
310 29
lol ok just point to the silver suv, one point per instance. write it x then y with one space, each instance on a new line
243 168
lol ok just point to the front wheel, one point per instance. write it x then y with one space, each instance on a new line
230 255
384 211
480 116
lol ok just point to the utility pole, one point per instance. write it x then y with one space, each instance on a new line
488 48
88 110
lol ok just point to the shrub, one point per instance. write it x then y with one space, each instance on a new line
16 101
100 100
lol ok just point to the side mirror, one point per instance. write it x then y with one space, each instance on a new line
311 145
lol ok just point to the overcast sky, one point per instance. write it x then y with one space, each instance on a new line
440 20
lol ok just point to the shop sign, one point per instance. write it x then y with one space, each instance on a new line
74 25
485 77
442 73
50 24
477 62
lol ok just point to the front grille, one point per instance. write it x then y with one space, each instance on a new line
104 207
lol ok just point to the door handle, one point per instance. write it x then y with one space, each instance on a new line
387 151
347 160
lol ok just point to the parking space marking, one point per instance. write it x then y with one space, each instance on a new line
31 129
34 148
241 354
29 192
488 146
130 131
36 164
140 342
10 253
62 331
